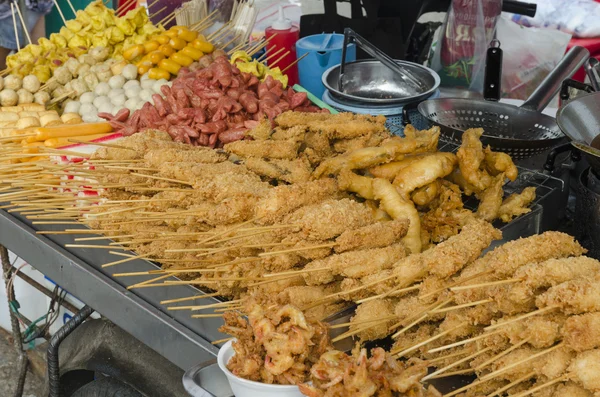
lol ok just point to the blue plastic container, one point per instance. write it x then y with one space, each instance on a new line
324 51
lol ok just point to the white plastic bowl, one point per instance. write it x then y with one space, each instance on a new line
247 388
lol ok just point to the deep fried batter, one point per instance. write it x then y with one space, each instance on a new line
516 204
498 162
424 171
491 199
264 149
380 234
470 158
291 171
361 185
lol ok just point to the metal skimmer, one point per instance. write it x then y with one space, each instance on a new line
520 131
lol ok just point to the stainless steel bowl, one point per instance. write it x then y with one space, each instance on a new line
372 82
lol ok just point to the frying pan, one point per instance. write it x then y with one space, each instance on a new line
520 131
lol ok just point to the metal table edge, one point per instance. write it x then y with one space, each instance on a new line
162 333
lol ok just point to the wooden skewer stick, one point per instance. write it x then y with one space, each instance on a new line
110 247
62 16
523 361
152 4
468 304
437 291
162 179
230 41
60 98
423 315
293 63
263 254
530 314
464 342
455 373
72 8
216 342
147 283
12 9
543 386
189 298
269 56
214 34
123 6
482 285
102 144
275 62
392 292
126 260
501 354
158 12
261 45
456 363
23 23
200 22
342 325
446 357
433 338
207 315
512 384
300 271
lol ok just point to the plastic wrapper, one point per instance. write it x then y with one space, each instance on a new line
459 56
577 17
529 55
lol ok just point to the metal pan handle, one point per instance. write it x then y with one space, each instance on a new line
542 95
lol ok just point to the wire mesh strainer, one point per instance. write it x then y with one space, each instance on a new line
520 131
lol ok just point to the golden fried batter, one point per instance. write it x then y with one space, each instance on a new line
516 204
361 185
498 162
470 158
426 194
491 199
264 149
291 171
424 171
380 234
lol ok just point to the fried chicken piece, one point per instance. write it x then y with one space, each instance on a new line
154 158
390 170
301 296
335 126
353 264
268 149
424 171
277 285
318 141
470 157
550 273
282 200
516 204
369 140
504 260
581 332
262 131
584 370
399 208
500 163
351 182
372 310
491 199
291 171
360 158
329 219
295 133
457 178
428 139
572 297
376 235
571 389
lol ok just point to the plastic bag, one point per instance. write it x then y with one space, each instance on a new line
577 17
459 56
529 55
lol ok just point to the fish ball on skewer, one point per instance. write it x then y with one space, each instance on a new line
24 96
31 83
13 82
8 97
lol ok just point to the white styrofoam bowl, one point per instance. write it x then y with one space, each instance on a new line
247 388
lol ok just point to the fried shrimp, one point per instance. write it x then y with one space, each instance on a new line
399 208
470 156
497 163
491 199
517 204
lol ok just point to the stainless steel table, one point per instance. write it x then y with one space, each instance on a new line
173 334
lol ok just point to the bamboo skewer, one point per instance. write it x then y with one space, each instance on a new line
293 63
23 23
512 384
468 304
433 338
543 386
230 41
189 298
530 314
268 56
442 358
157 12
423 313
464 342
342 325
482 285
123 6
12 9
275 62
62 16
72 8
455 373
216 342
263 254
456 363
501 354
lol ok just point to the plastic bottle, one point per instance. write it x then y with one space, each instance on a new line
286 35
